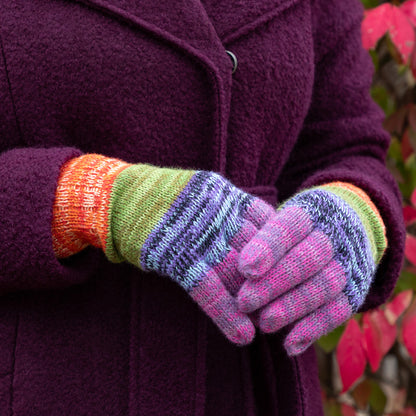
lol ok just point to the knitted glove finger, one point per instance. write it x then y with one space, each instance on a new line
307 258
257 213
227 269
217 302
304 298
318 323
281 233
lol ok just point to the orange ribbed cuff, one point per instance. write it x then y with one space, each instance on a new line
80 211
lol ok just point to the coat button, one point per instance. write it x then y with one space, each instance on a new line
233 59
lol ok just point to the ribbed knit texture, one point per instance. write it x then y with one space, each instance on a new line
187 225
140 198
367 212
314 263
80 213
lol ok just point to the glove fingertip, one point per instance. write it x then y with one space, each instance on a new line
255 259
245 301
248 270
244 333
272 322
295 344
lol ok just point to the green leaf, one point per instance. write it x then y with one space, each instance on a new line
402 69
330 341
377 398
374 56
369 4
381 96
409 176
395 151
407 280
332 408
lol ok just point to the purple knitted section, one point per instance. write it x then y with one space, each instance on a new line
195 233
305 298
305 259
336 219
279 234
318 323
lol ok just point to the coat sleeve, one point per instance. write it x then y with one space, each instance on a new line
28 180
342 137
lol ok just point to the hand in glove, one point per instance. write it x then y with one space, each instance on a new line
188 225
313 263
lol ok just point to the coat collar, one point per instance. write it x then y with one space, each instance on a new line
189 24
182 23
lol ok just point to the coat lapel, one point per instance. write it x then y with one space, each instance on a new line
200 29
185 26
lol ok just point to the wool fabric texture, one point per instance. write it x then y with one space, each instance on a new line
184 224
334 239
151 82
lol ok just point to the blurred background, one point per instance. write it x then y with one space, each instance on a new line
367 366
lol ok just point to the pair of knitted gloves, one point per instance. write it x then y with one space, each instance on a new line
310 262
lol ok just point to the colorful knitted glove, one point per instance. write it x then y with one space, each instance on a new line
188 225
313 263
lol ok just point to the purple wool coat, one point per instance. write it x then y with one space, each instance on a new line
153 83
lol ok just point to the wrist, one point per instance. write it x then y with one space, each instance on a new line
80 211
366 211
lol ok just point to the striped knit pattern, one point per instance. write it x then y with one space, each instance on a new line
141 196
314 263
367 212
187 225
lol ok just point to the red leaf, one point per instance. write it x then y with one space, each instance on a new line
379 336
408 332
351 355
361 394
413 62
398 305
413 198
409 215
412 116
410 269
347 410
387 17
408 8
406 147
410 249
409 411
375 24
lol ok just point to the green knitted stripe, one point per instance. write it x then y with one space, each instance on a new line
368 217
140 196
